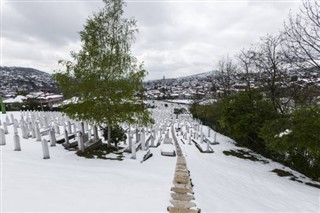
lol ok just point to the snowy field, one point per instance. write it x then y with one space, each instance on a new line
69 183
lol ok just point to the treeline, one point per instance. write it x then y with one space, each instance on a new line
274 115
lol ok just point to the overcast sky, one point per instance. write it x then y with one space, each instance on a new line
176 38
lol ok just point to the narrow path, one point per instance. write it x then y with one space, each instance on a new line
182 192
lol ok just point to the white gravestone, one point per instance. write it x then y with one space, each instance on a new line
16 139
45 149
2 137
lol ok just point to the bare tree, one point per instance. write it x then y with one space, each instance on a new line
227 73
246 67
270 62
301 36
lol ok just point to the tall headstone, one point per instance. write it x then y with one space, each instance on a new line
12 118
52 137
143 140
45 149
7 120
16 139
208 131
15 128
69 126
89 135
46 122
38 134
215 137
2 137
74 128
80 142
2 106
66 138
5 127
57 129
129 139
133 151
82 127
95 133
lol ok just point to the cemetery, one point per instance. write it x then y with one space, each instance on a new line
176 165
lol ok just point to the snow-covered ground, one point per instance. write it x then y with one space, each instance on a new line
69 183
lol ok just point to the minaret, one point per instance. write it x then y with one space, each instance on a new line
164 82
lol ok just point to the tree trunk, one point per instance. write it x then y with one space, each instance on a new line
109 136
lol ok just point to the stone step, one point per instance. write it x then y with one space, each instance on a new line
181 173
180 185
182 204
181 190
179 210
182 197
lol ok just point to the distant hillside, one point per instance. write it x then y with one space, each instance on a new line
13 79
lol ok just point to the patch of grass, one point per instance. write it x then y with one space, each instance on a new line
101 153
282 173
244 155
313 184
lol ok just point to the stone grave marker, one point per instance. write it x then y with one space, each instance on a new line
45 149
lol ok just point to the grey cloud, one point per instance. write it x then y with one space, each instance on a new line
175 38
52 22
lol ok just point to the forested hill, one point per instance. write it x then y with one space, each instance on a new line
13 79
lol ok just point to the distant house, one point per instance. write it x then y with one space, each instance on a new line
46 99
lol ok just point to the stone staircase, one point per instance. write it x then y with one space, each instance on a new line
182 192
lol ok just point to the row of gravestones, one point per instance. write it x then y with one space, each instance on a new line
37 124
194 129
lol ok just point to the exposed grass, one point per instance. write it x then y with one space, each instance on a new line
282 173
313 184
102 153
244 155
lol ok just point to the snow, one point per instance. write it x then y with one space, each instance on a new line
18 99
286 132
182 101
69 183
